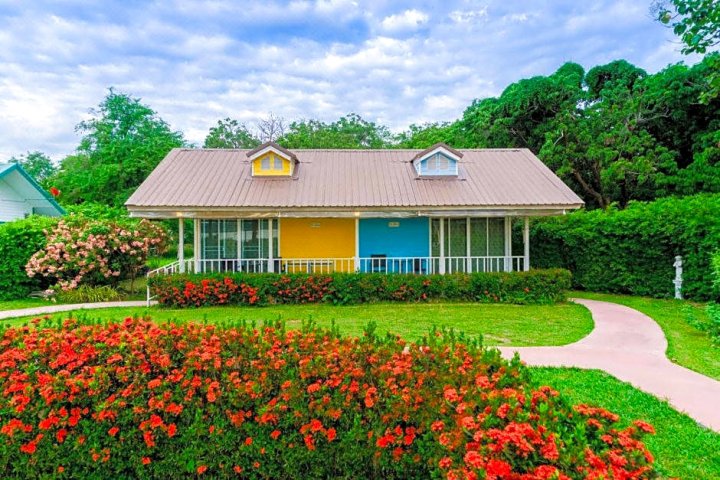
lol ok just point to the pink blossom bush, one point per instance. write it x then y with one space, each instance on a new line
80 251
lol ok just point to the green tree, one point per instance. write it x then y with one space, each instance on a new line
428 134
604 151
697 23
617 74
521 116
37 164
230 133
350 131
121 144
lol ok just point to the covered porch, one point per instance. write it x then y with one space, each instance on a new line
416 245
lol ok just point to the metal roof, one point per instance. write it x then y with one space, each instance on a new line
208 179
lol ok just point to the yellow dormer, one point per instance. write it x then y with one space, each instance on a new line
271 160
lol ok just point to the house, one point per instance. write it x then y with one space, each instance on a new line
21 196
270 209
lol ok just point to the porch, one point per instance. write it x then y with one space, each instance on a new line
416 245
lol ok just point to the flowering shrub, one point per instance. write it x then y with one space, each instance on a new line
535 286
94 252
138 399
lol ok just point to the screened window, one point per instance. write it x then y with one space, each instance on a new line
438 164
237 239
278 163
265 163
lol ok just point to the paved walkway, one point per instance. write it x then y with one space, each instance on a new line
49 309
631 346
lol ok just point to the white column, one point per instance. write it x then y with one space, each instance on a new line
508 245
181 244
357 245
442 245
196 245
526 244
271 257
468 262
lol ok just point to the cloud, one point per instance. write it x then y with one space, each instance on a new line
387 61
408 20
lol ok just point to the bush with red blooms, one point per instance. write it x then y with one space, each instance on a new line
535 286
143 400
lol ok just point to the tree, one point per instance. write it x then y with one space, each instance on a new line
271 128
37 164
697 23
230 133
428 134
605 152
122 143
350 131
521 115
619 73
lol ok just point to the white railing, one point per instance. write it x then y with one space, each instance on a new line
375 264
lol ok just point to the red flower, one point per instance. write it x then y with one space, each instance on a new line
331 434
113 431
146 460
54 192
201 469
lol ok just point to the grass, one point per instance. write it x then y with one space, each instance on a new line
499 324
687 346
682 448
23 303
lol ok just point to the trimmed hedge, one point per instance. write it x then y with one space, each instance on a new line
535 286
19 240
632 250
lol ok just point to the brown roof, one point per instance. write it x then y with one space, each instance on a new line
207 179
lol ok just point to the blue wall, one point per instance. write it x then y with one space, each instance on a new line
409 239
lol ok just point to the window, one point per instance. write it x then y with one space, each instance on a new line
265 163
278 164
438 164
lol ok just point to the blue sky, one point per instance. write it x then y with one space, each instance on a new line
393 62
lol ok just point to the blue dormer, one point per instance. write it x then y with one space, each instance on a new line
437 161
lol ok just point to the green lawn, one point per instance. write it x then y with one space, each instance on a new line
687 346
681 447
517 325
24 303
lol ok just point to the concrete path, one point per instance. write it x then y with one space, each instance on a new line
50 309
631 346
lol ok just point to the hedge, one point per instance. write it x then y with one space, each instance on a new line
535 286
140 399
19 240
632 250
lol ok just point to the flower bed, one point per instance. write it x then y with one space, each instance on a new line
535 286
138 399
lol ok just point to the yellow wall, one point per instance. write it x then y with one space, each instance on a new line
258 171
317 238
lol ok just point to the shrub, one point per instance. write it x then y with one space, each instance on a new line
83 251
633 250
142 400
88 294
535 286
19 240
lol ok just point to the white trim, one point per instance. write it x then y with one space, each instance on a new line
467 243
181 244
196 244
271 259
442 246
508 245
357 245
526 244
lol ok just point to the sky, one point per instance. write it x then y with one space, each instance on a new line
392 62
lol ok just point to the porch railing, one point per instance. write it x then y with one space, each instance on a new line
376 264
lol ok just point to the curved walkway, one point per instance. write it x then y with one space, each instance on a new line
49 309
631 346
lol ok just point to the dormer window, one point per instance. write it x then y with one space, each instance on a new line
437 161
271 160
